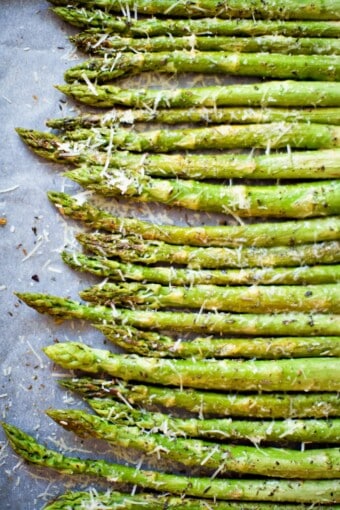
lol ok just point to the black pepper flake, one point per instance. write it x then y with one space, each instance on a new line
35 277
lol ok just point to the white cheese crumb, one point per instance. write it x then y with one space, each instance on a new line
7 190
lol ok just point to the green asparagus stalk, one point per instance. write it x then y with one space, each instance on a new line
272 93
231 115
303 164
104 44
120 271
152 344
269 461
321 164
133 249
264 65
262 136
296 491
288 233
303 374
318 9
302 200
284 324
207 403
305 431
123 501
151 27
254 299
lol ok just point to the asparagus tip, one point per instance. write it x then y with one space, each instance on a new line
20 295
64 383
72 355
23 132
57 197
13 435
62 88
29 297
52 413
69 174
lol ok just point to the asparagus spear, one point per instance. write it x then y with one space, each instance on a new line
133 249
321 431
231 115
302 200
122 501
206 403
303 374
272 93
264 65
305 164
269 461
84 18
296 491
261 234
104 44
274 135
254 299
116 270
318 9
284 324
149 343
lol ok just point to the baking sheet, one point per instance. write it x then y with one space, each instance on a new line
34 54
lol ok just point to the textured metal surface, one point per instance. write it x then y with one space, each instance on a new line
34 54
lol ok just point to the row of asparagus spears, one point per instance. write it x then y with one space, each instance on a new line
163 45
306 10
267 293
228 489
286 93
300 200
290 201
150 432
205 34
101 43
302 164
206 453
265 65
287 377
88 17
